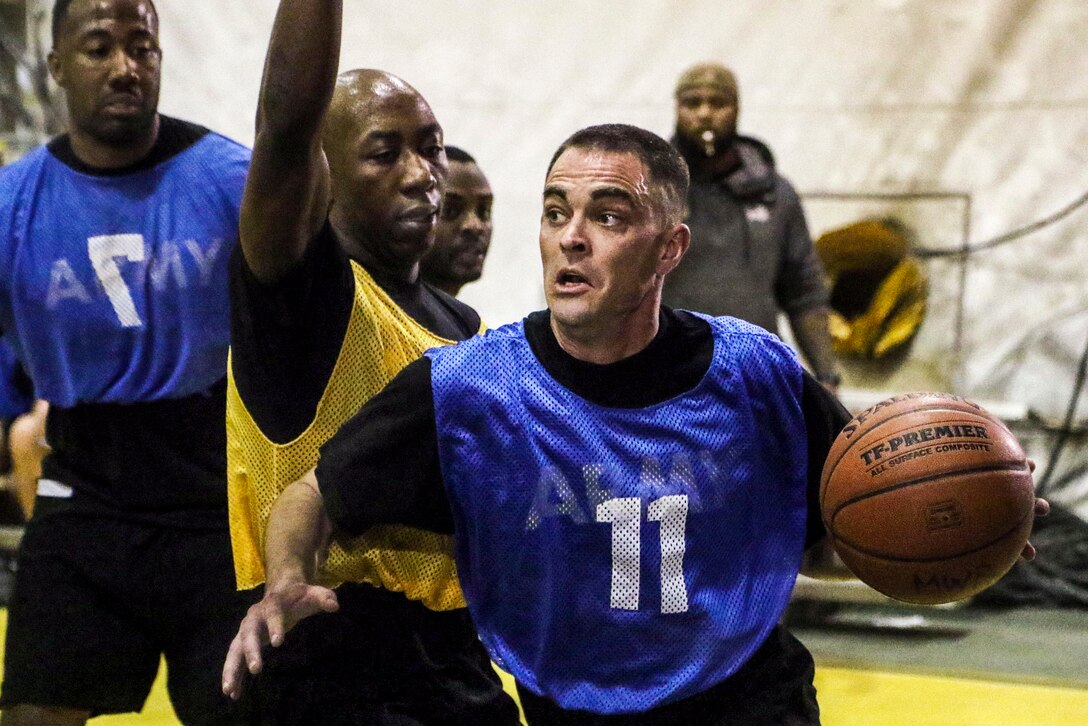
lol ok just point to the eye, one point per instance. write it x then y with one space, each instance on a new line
608 218
484 212
145 52
554 215
97 50
433 151
383 156
452 210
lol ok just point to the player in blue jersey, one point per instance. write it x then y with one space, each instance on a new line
114 242
630 487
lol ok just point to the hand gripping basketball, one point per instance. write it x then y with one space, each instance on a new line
928 498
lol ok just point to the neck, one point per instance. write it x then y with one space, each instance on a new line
610 341
726 157
368 253
450 288
99 155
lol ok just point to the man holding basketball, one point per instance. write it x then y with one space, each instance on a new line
631 488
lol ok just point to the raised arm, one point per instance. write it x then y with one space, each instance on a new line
298 533
287 191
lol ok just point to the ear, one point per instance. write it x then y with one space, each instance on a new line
677 241
55 70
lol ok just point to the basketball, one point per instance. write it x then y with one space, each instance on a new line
927 497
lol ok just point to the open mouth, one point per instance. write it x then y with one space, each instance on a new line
569 280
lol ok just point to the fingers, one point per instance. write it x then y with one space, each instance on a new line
1031 465
244 653
253 634
329 603
232 669
1028 553
276 631
1042 507
266 623
310 601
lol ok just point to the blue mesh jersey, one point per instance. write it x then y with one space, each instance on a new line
618 559
122 295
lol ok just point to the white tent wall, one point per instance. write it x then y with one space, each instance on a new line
985 98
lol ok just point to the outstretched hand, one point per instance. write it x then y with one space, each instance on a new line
1042 508
266 623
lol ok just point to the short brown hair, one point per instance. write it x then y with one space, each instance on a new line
668 170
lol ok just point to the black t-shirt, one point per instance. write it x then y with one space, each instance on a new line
286 336
161 461
383 465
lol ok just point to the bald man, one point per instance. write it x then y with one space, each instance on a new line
327 306
751 254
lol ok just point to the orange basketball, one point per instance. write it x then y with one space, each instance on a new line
927 497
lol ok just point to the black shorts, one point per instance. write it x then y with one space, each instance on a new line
774 688
381 660
97 600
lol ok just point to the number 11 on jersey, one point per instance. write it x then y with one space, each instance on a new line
625 516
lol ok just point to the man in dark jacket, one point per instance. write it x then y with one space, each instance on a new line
751 254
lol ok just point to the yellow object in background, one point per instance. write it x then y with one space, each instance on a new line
878 291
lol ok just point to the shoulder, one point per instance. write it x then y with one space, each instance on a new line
213 169
490 344
195 143
228 149
466 315
750 345
783 188
217 154
12 174
17 180
760 147
786 193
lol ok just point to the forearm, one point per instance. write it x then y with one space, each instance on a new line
298 534
287 189
810 329
300 69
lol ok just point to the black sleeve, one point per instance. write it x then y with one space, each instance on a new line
286 336
825 417
382 466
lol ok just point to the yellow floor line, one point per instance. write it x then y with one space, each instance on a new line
848 697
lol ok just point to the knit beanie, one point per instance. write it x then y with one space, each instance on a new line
713 75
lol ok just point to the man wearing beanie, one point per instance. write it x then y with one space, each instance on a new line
751 254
